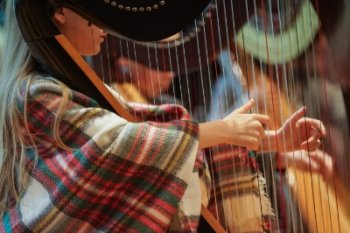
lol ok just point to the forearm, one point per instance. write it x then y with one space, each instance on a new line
212 133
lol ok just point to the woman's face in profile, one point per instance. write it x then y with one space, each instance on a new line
83 35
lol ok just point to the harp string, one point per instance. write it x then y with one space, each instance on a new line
251 86
229 214
278 195
290 104
314 192
233 56
319 117
284 77
321 77
243 76
233 166
264 107
294 154
205 104
175 99
287 88
252 83
209 77
246 88
254 86
280 76
223 218
308 74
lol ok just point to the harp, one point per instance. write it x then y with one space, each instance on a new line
232 25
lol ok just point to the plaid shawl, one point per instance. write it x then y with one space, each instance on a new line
119 177
239 198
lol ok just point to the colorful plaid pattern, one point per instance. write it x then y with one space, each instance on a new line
120 176
239 198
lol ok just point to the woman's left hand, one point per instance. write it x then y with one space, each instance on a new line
315 162
300 132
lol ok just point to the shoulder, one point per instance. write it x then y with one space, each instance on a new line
46 89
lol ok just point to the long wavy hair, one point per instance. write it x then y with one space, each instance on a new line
17 67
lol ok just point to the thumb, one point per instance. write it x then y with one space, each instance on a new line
297 116
246 107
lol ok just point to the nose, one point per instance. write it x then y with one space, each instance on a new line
103 33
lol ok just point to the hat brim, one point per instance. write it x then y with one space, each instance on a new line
285 46
142 20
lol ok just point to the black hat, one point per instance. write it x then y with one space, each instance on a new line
142 20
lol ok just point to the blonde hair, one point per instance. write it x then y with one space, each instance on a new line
18 67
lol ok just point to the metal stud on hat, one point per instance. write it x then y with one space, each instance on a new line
125 5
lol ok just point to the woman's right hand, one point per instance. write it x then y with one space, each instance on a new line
245 129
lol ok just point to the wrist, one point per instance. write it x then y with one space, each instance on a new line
224 133
213 133
269 142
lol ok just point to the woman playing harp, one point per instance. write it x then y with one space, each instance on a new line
63 169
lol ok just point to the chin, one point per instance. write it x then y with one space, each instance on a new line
91 53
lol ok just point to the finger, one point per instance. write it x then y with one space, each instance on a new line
300 160
325 163
306 143
246 107
321 129
258 132
317 133
313 123
261 130
264 119
253 143
298 114
310 165
314 146
321 157
310 145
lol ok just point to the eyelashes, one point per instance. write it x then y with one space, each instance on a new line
89 23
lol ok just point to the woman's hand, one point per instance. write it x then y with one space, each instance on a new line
245 129
298 132
316 162
239 128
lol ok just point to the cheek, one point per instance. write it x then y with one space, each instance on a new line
94 41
